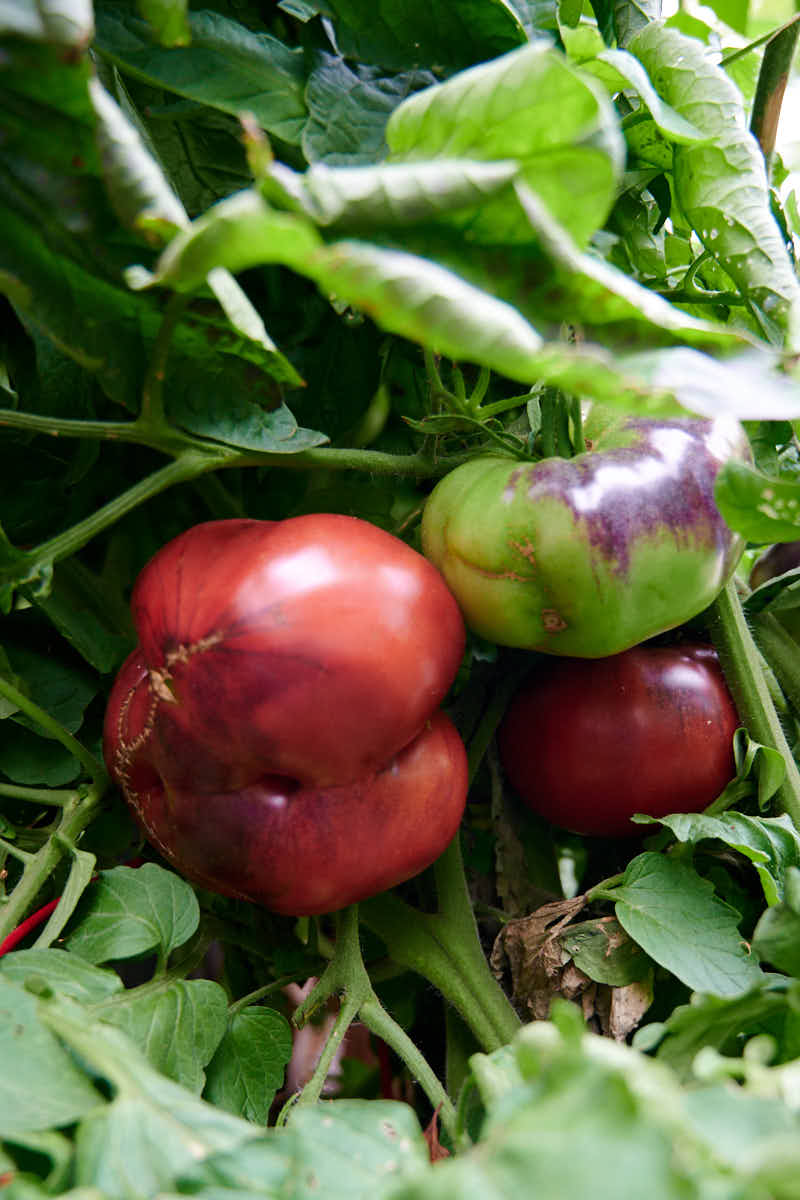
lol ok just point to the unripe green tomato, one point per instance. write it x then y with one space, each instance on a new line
590 555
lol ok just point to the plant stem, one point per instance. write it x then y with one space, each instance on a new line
347 976
56 797
152 410
75 816
445 949
742 667
52 727
780 650
379 1022
71 540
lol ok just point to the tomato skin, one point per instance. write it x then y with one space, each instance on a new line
306 659
315 647
306 850
587 743
591 555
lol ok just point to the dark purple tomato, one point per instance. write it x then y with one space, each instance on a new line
589 742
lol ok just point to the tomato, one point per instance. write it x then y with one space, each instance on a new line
590 555
588 742
275 731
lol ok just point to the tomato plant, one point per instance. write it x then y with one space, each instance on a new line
589 742
589 555
292 296
274 730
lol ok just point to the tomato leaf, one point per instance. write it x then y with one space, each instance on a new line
604 952
771 843
760 507
570 153
40 1084
131 911
451 32
178 1027
722 1023
225 66
348 107
673 914
249 1064
65 973
721 186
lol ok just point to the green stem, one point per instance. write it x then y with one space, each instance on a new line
28 565
21 855
781 652
75 817
578 439
379 1022
266 990
57 798
445 949
772 78
347 976
52 727
152 410
141 432
742 666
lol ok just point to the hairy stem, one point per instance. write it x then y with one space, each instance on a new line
745 677
75 816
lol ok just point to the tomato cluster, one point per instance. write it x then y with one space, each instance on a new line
587 558
278 721
277 729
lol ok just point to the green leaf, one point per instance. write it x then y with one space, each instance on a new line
238 422
776 939
390 194
722 1023
358 1146
142 197
225 66
65 973
453 33
242 231
34 761
40 1086
531 106
60 689
721 186
675 917
604 952
131 911
348 107
758 506
249 1064
589 1118
80 875
83 613
178 1027
771 843
620 71
746 385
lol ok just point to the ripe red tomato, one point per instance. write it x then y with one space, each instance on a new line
274 731
588 742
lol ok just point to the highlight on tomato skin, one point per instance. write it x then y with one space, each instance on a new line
586 743
277 732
